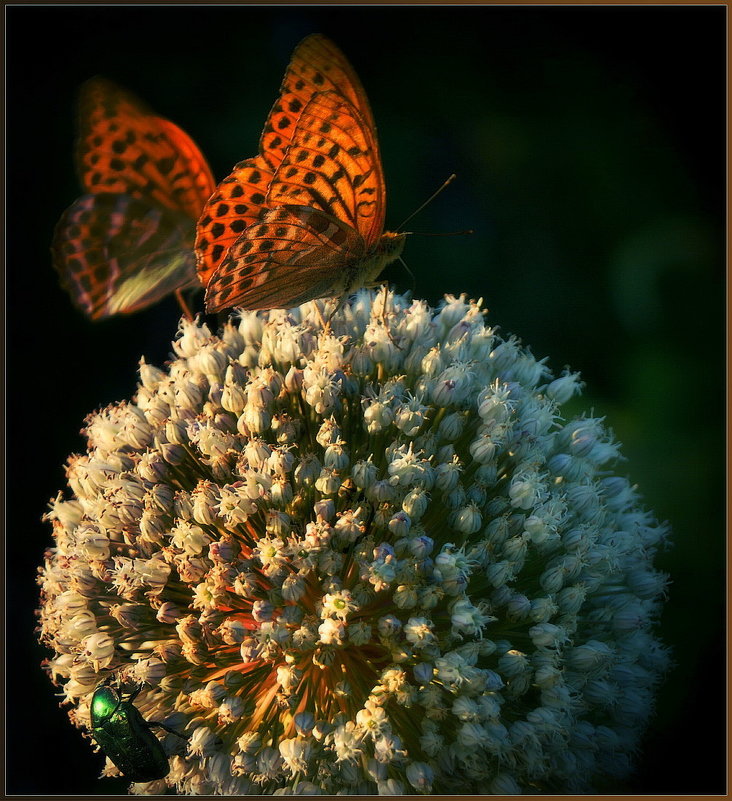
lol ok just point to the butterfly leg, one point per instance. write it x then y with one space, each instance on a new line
341 302
384 318
324 321
183 305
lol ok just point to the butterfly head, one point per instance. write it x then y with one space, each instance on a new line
390 246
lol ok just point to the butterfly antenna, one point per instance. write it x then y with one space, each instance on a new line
429 200
442 233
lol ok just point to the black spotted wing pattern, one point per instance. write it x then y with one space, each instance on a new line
320 146
128 241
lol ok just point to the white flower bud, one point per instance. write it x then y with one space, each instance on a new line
150 376
415 503
233 396
399 524
364 474
304 723
324 509
420 775
513 663
361 362
471 735
254 420
189 537
359 633
202 742
210 360
523 492
329 433
381 492
451 427
542 609
332 632
293 588
262 610
336 457
418 631
590 656
410 417
468 520
294 380
569 467
453 311
518 607
389 626
281 461
447 475
93 542
377 416
452 386
307 471
498 573
505 784
320 391
98 650
328 482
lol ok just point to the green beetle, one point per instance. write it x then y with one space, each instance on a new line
125 736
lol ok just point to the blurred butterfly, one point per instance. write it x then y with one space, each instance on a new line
128 241
305 218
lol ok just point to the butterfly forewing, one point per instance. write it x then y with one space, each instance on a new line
317 65
191 180
125 148
331 165
117 254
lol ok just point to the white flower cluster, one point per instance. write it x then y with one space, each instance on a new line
367 559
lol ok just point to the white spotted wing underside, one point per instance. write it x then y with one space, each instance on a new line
116 254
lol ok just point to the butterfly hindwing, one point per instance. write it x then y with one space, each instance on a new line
117 254
237 202
293 255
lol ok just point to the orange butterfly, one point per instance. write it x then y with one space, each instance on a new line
305 218
128 242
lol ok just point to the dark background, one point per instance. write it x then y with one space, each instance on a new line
589 147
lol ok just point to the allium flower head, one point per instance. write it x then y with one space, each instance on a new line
368 559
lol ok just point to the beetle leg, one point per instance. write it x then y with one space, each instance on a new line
131 697
167 728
